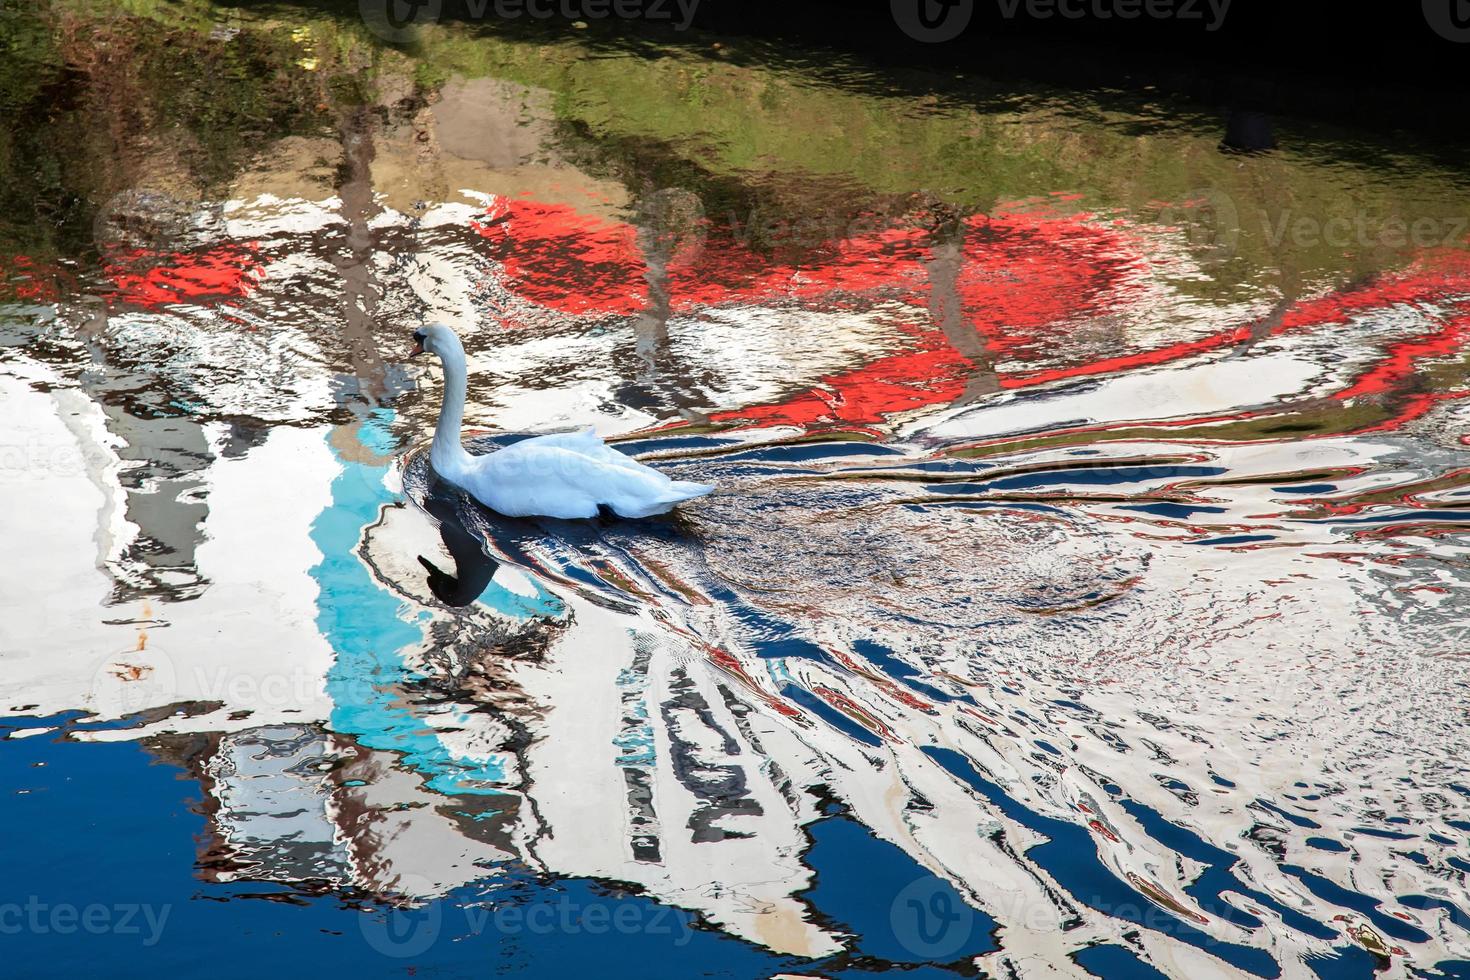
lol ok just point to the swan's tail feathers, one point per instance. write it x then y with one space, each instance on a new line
688 491
679 491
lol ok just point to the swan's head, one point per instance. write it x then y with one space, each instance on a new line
436 339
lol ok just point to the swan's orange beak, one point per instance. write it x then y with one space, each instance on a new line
418 344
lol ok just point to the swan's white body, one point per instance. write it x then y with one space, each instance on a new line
568 474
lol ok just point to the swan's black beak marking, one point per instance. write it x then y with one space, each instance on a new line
418 342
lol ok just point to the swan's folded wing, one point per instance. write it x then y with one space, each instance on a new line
533 478
585 442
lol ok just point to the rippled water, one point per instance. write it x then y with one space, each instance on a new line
1083 593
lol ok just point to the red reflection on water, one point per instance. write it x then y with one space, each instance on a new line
1023 281
1020 277
22 278
932 373
563 259
153 279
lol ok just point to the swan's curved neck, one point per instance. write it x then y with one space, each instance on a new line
447 452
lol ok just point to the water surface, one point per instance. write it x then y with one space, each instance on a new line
1084 592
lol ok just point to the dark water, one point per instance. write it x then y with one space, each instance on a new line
1084 592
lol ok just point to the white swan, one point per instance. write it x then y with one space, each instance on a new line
566 474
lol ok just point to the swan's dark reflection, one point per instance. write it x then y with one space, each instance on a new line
473 568
470 531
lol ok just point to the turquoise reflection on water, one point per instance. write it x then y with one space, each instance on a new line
370 628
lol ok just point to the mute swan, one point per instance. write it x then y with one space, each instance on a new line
565 474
